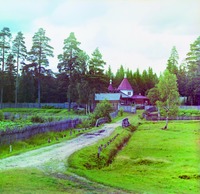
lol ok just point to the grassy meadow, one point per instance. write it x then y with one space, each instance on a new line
154 160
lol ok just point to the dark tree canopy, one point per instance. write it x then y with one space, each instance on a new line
25 77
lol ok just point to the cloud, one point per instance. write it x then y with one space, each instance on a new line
180 16
135 33
76 12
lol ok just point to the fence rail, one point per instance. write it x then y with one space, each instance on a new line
190 107
36 105
130 109
104 119
156 118
181 107
9 136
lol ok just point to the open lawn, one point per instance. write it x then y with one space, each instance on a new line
154 161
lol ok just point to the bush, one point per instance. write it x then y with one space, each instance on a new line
121 112
103 109
48 107
85 123
1 116
37 119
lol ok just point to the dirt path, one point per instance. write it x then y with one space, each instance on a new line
51 158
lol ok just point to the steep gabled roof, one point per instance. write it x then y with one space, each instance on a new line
125 85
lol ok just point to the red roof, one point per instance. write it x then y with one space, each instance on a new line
125 85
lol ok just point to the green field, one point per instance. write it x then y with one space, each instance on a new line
154 161
21 117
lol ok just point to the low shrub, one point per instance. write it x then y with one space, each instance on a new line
121 112
85 124
37 119
48 107
50 119
1 116
189 112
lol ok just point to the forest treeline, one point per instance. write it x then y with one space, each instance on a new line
25 76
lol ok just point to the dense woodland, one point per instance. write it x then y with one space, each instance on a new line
25 77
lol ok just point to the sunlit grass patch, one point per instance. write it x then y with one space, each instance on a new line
155 160
20 181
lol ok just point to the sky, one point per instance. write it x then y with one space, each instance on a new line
132 33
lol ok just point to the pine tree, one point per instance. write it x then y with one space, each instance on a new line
10 74
96 78
5 37
39 54
19 50
69 62
96 63
119 75
172 63
193 66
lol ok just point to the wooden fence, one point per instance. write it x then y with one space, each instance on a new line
104 119
156 118
180 107
114 114
36 105
190 107
12 135
131 109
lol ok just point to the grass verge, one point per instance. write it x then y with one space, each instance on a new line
154 160
31 181
40 140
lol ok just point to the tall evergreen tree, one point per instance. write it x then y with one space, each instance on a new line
68 62
138 79
119 75
193 58
182 79
97 79
10 74
39 54
5 38
149 80
19 50
193 65
172 63
109 73
27 87
96 63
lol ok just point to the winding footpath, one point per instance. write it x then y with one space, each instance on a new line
51 158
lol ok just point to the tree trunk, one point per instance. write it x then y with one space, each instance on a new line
16 83
39 105
1 97
166 125
69 99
